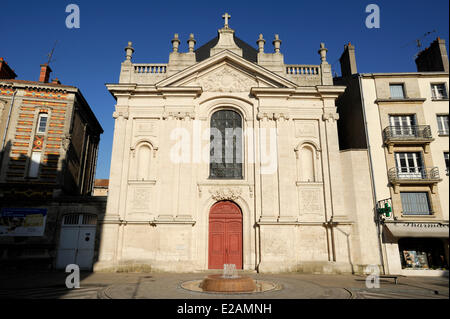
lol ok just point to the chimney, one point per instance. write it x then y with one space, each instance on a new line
434 58
45 73
56 81
348 61
6 73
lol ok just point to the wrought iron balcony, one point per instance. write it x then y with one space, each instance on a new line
407 133
414 134
414 174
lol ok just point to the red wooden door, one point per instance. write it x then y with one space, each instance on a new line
225 235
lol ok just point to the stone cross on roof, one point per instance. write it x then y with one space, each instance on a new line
226 16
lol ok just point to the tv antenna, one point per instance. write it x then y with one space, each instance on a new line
418 42
50 55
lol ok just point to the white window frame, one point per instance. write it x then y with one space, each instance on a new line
435 93
38 129
409 171
441 124
403 124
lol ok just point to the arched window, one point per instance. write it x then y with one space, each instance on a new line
226 145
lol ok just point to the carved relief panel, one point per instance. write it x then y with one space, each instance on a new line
141 201
307 129
311 202
225 79
145 127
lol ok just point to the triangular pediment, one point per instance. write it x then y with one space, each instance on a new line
226 72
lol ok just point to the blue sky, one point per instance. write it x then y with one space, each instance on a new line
90 56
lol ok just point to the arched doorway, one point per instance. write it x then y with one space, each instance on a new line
225 235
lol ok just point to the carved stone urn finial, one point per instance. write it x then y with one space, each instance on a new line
276 43
323 53
175 42
129 51
191 42
260 42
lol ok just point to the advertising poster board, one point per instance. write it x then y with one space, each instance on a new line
23 221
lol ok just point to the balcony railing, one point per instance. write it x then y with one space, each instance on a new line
397 175
297 69
141 68
406 133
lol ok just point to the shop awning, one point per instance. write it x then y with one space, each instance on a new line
433 230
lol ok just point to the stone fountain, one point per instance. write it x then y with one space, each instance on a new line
228 282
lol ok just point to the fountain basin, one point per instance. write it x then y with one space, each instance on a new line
217 283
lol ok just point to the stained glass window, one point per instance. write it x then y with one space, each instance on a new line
226 145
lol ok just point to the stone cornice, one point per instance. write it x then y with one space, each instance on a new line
272 92
194 92
320 91
399 101
139 89
406 74
330 91
39 86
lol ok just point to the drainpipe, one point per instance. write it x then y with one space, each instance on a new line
7 125
374 193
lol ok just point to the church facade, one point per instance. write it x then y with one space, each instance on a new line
227 155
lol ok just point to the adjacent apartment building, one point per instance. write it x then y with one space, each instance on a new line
49 140
402 120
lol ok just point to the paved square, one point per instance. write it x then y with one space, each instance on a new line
51 285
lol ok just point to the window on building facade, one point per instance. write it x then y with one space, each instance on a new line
415 203
446 162
409 164
439 91
42 123
403 125
397 91
35 162
226 145
442 124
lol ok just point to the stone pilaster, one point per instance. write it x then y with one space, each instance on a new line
286 177
268 161
169 170
186 169
117 157
330 118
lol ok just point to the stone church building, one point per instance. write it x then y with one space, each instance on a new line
227 155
